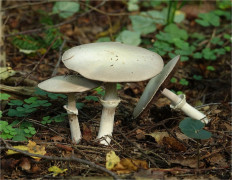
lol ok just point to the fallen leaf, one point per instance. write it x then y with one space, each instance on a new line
57 138
218 159
35 169
23 148
159 136
126 166
190 162
25 164
67 148
8 163
111 160
56 170
174 144
35 149
149 174
87 133
140 134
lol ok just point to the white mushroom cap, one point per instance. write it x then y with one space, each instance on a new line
154 85
113 62
67 84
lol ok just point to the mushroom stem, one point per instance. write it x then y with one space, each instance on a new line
179 102
73 119
110 101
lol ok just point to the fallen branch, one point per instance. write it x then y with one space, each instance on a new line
91 164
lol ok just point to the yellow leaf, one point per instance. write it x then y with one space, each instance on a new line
111 160
23 148
56 170
35 149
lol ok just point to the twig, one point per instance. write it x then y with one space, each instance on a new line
91 164
60 57
56 25
140 149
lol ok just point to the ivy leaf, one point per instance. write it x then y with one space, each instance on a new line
66 9
194 129
142 24
129 37
4 96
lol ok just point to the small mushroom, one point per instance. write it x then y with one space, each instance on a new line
69 85
112 62
156 86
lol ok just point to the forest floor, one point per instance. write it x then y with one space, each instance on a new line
152 144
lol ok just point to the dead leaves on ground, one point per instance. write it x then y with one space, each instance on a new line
125 165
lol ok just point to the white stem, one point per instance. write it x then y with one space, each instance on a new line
179 102
73 119
109 102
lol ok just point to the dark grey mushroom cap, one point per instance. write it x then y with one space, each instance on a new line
156 83
113 62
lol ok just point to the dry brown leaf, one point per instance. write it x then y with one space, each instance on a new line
129 165
87 133
159 136
64 147
218 159
9 163
140 134
57 138
174 144
190 162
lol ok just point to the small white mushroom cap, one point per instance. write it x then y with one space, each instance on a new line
67 84
113 62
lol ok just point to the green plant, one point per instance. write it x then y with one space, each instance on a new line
194 129
58 118
65 9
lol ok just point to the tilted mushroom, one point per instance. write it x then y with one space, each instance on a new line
69 85
156 86
112 62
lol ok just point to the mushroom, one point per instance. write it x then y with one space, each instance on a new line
112 62
156 86
69 85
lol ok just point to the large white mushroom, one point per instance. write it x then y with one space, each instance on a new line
112 62
69 85
157 86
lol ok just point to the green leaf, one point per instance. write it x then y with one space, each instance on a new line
197 77
31 100
60 117
173 80
0 115
26 42
197 55
226 36
183 82
194 129
207 19
4 96
143 25
220 51
80 105
66 9
132 5
217 40
104 39
129 37
208 54
91 98
15 103
210 68
176 32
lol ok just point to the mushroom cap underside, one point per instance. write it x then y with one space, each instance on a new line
153 86
67 84
113 62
